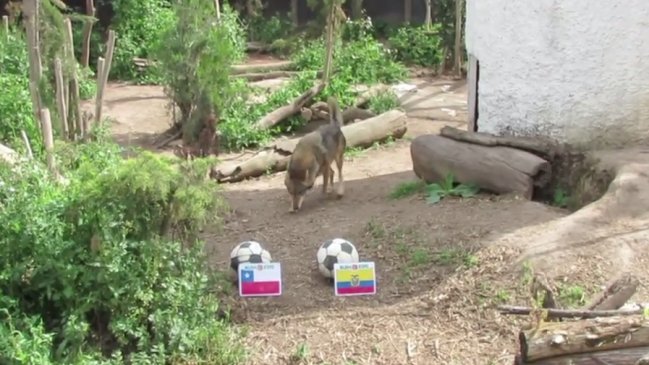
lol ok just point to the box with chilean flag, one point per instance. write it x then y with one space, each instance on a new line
257 280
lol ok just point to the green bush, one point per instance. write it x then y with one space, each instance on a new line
269 29
15 100
418 46
87 275
139 26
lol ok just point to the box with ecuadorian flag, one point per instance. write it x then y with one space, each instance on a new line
354 279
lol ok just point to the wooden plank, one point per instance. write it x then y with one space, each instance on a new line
407 11
472 94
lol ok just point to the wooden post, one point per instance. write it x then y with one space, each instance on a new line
407 11
429 15
105 70
73 100
472 94
28 146
357 9
217 7
295 15
60 98
459 7
48 138
5 25
35 68
99 95
87 32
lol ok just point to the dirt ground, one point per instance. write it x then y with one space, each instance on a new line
438 271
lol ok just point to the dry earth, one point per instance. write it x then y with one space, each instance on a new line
440 267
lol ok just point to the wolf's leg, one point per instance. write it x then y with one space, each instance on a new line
339 163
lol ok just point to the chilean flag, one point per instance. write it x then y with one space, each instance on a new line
262 282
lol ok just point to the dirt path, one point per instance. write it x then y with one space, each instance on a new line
417 247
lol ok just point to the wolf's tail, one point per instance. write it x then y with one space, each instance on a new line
335 114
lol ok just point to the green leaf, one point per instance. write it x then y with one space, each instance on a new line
433 198
466 190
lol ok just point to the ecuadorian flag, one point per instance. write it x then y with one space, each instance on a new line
359 281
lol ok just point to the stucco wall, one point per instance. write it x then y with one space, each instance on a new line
575 70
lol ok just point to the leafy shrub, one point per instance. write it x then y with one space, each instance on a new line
87 275
196 53
269 29
139 26
384 101
417 45
15 100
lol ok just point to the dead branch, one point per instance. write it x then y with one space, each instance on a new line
617 292
286 111
568 313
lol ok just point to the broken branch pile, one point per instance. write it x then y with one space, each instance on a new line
604 334
497 164
391 124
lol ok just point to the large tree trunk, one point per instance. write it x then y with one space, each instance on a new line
500 170
391 124
584 336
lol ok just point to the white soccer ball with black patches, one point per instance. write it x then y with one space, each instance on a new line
248 252
333 251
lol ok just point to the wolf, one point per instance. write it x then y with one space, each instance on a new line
313 156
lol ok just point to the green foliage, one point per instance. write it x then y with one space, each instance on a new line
195 54
417 45
407 189
87 83
269 29
560 198
15 100
87 275
384 101
139 26
437 191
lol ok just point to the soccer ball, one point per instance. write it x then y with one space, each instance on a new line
337 250
248 252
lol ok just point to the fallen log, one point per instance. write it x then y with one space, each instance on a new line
498 169
262 67
368 94
391 124
568 313
630 356
291 109
617 292
585 336
257 47
539 146
259 76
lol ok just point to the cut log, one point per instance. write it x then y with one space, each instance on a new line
289 110
569 313
499 170
368 94
584 336
391 124
262 67
630 356
257 47
617 292
538 146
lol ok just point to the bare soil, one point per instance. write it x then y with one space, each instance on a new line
439 271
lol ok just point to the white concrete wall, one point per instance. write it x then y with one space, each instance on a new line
576 70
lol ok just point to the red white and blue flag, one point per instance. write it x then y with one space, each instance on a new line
260 280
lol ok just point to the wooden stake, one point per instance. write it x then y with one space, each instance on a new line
459 6
295 15
27 144
110 47
48 139
60 97
87 32
35 68
329 43
5 25
217 7
407 10
99 94
73 107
